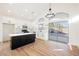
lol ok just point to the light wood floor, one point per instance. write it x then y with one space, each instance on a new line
40 48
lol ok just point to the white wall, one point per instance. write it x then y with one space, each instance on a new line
74 31
9 20
74 34
0 32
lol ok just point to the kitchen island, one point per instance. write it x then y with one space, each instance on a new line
18 40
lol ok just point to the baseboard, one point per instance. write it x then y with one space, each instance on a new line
6 41
39 38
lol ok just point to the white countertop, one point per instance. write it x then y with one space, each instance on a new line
20 34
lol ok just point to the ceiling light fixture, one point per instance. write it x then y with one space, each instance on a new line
9 10
50 14
26 10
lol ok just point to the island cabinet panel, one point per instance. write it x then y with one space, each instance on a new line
21 40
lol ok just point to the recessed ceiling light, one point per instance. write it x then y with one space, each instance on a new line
26 10
9 10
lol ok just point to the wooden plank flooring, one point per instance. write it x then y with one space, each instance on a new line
40 48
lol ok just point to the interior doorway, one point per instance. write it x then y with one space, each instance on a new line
7 30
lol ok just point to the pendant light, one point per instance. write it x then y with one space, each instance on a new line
50 14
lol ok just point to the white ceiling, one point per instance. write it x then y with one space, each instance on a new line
30 11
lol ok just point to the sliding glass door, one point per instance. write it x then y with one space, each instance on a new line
59 30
